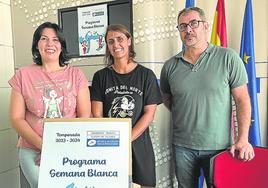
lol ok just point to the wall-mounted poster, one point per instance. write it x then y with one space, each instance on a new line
92 24
86 153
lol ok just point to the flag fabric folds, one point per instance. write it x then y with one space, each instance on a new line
189 3
219 38
219 34
247 55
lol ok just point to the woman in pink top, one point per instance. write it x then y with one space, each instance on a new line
50 88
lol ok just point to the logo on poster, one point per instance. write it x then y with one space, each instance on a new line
91 142
100 13
73 186
107 138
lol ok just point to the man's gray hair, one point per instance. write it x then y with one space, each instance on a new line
191 9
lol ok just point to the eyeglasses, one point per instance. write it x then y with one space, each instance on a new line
193 25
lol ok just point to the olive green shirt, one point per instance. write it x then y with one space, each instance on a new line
201 97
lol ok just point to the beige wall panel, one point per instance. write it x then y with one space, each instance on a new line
158 49
262 69
27 15
90 70
5 1
155 34
234 22
260 16
160 131
4 116
149 27
209 7
10 179
7 65
9 157
263 103
157 67
8 139
22 40
5 25
91 61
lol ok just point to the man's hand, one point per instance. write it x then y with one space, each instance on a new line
242 151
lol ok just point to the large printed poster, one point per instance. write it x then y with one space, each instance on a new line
86 153
92 24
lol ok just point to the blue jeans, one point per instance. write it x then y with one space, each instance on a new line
29 168
188 164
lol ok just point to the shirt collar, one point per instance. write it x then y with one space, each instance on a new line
207 50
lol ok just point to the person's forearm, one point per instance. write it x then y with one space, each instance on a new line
243 119
97 109
144 122
83 103
26 132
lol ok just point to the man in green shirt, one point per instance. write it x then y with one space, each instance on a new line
197 85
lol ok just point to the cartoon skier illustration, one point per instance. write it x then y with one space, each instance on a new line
86 40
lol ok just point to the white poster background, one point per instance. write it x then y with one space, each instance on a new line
92 24
73 151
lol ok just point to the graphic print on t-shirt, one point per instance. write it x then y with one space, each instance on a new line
122 107
52 108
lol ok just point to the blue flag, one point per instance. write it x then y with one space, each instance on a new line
189 3
247 55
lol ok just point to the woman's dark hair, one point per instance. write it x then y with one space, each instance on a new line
36 37
109 59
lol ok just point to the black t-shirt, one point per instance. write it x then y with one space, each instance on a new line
124 96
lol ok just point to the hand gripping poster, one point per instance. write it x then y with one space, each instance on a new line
92 24
86 153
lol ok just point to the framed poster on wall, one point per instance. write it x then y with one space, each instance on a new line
118 12
86 153
92 24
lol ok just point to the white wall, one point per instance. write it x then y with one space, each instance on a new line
8 138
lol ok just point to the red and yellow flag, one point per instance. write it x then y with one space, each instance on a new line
219 38
219 34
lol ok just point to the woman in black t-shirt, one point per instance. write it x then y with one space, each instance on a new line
125 89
